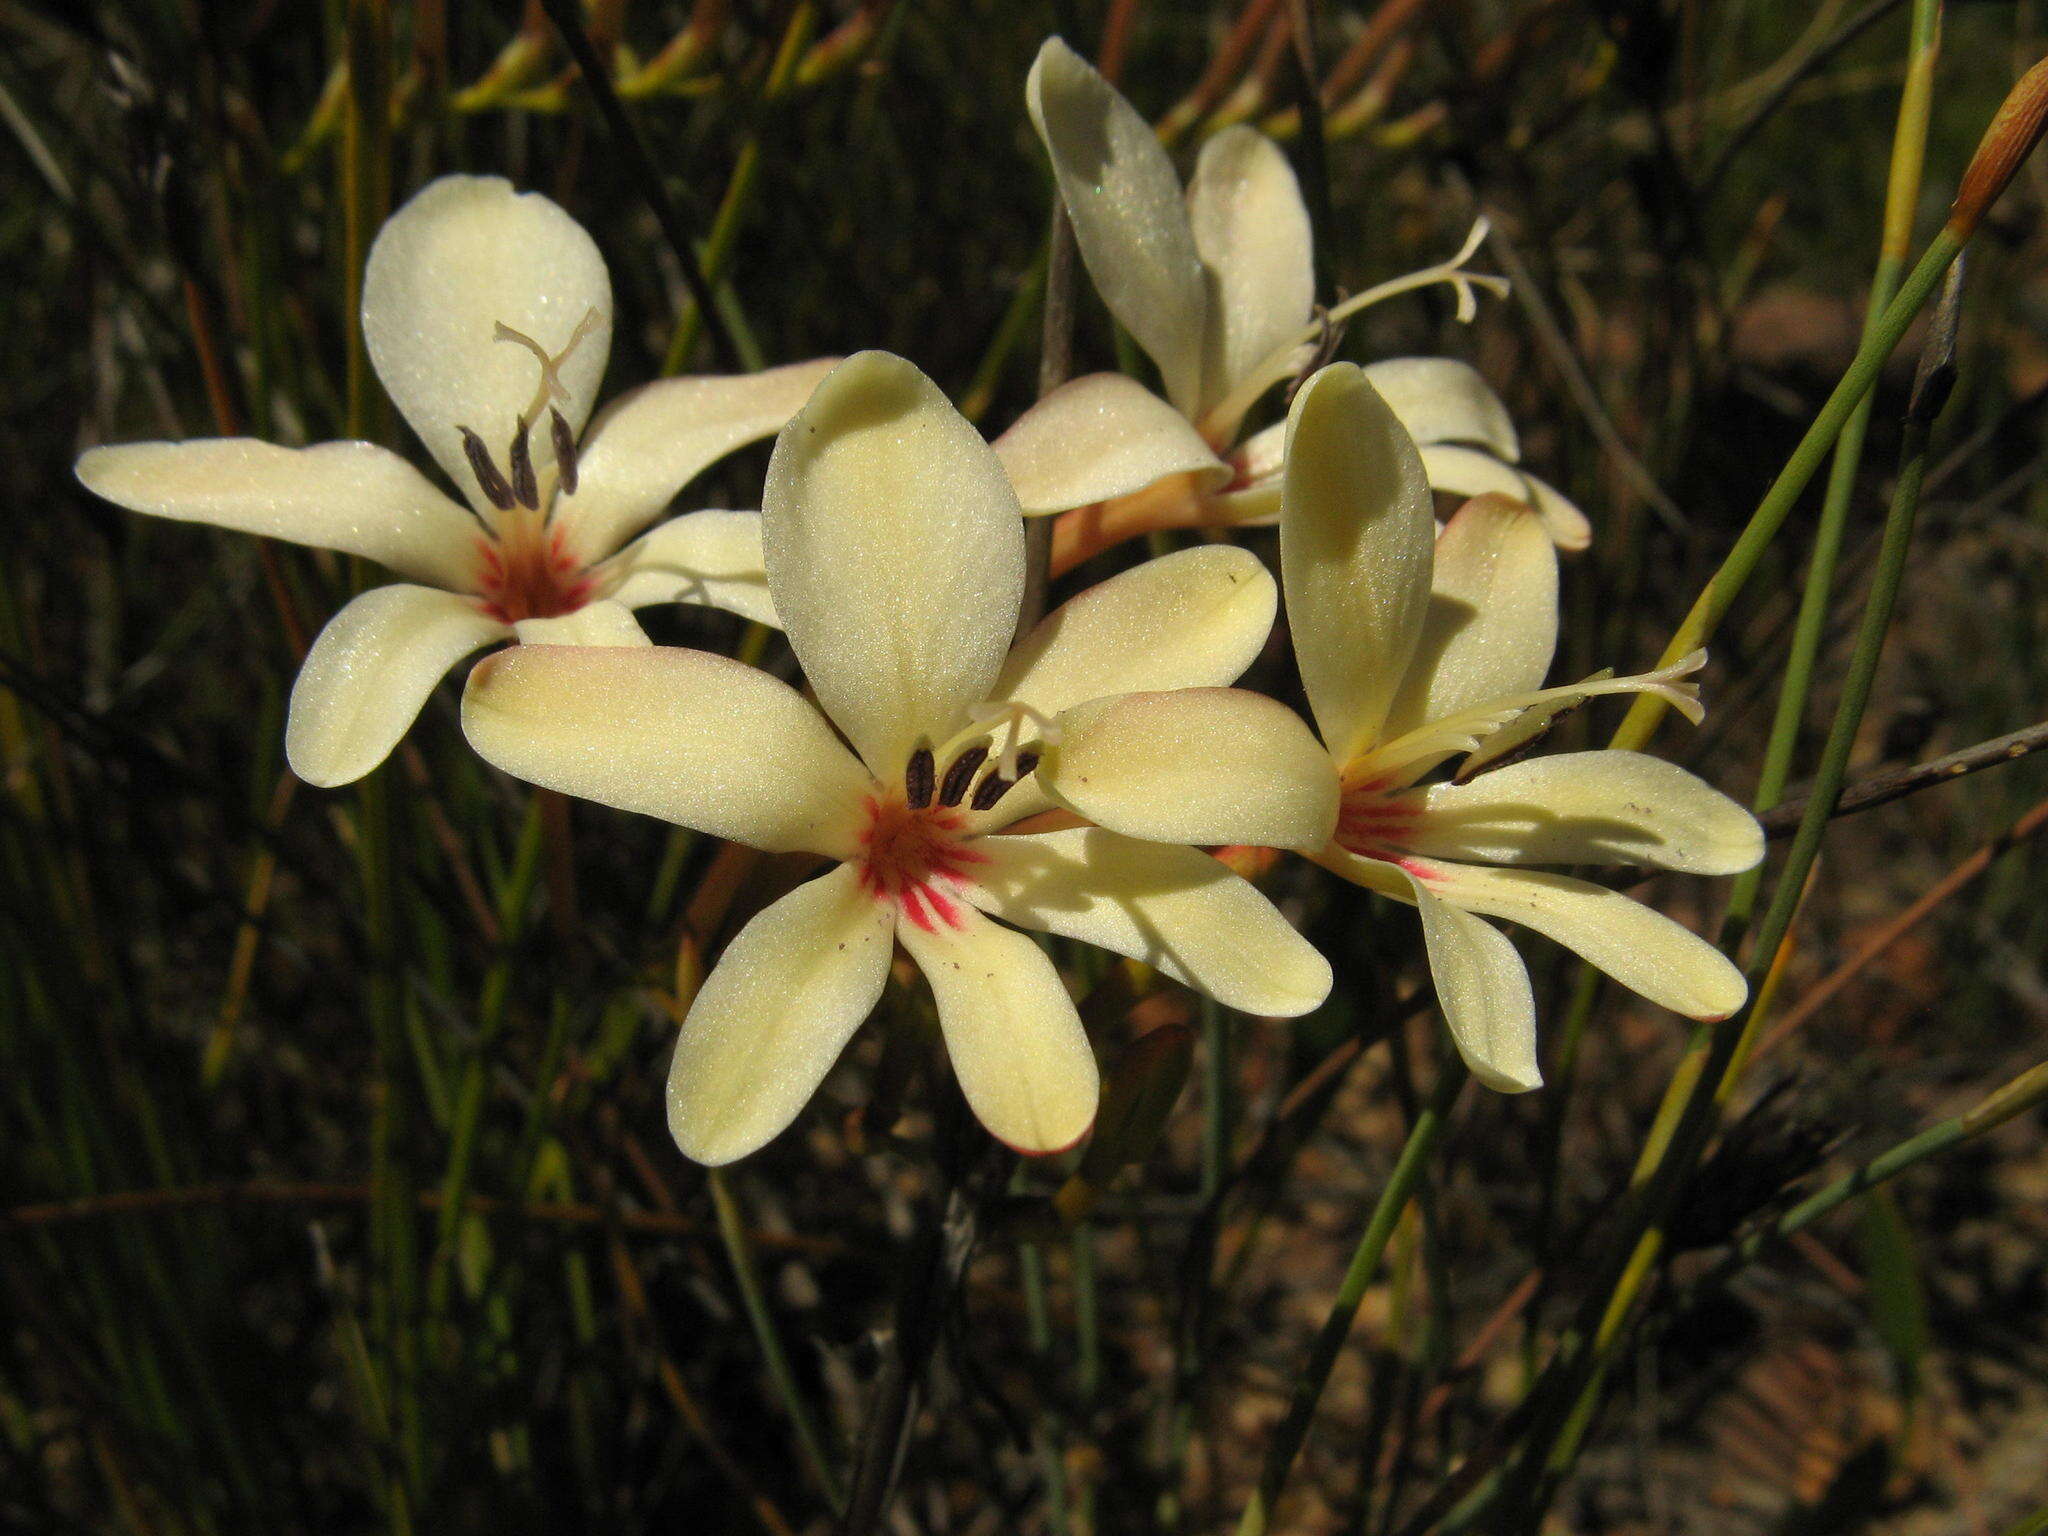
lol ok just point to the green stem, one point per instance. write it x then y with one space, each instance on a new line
1365 1262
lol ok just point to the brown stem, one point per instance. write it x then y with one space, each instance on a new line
1896 783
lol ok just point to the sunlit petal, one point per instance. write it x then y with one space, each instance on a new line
1098 437
1130 219
1251 229
649 443
1195 618
1441 400
1491 625
774 1014
1357 536
713 558
466 255
354 497
1206 766
895 553
599 623
699 740
1483 989
1016 1043
1466 471
1587 808
1174 908
370 671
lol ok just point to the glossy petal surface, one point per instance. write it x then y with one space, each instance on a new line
1098 437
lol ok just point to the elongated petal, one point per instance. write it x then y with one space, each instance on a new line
1441 400
1176 909
895 554
1251 230
466 255
1129 217
652 441
774 1014
1357 537
1255 496
1466 471
599 623
1643 950
1206 766
1491 627
354 497
369 673
713 558
1483 989
699 740
1098 437
1588 808
1193 619
1016 1042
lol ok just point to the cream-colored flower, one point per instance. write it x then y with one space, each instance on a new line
1217 285
895 556
488 315
1416 650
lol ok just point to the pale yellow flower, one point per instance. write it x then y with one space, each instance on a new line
1217 285
1417 650
895 556
488 315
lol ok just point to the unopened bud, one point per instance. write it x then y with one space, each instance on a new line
2006 144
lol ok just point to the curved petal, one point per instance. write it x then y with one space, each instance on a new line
1441 400
1016 1042
1643 950
774 1014
713 558
1474 472
1179 911
354 497
1587 808
1255 494
1251 230
598 623
895 555
1491 627
1098 437
1357 538
1130 220
1482 988
1206 766
1193 619
652 441
369 673
699 740
466 255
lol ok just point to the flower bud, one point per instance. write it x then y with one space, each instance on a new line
2013 133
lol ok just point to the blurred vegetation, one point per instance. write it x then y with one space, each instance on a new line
245 1099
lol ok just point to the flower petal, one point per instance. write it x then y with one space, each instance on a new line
1130 220
713 558
1441 400
1643 950
699 740
1174 908
895 554
354 497
1491 627
1588 808
1357 537
1193 619
1474 472
1257 463
1205 766
466 255
1251 229
774 1014
1016 1042
369 673
1482 987
599 623
652 441
1098 437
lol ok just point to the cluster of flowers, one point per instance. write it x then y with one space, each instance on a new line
964 786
